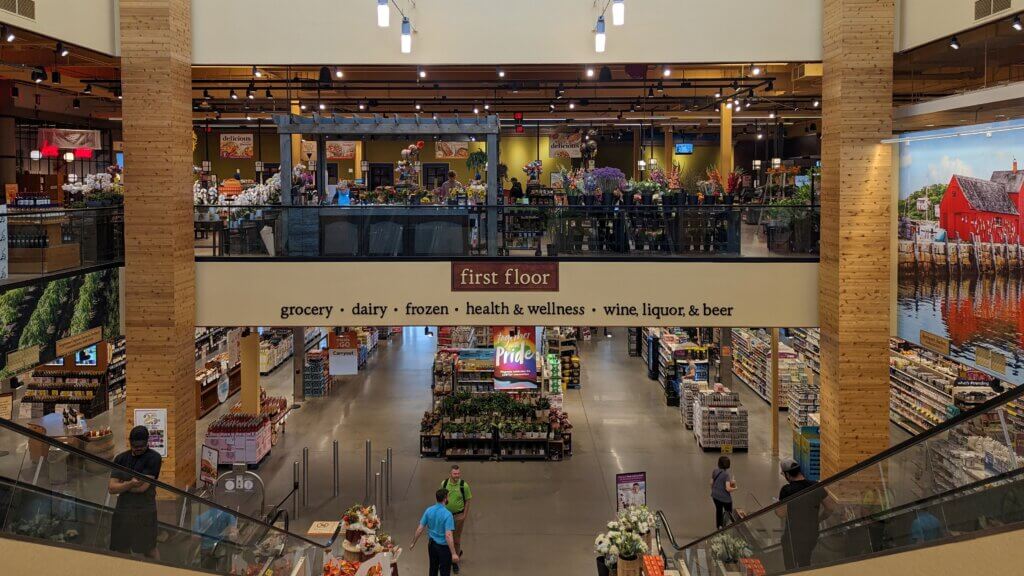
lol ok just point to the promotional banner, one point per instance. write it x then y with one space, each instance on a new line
961 227
38 316
451 150
630 490
209 460
515 357
67 138
155 420
343 353
565 145
341 150
236 146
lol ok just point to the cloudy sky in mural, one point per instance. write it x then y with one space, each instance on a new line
930 162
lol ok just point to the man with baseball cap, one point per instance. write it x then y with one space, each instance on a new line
800 515
133 526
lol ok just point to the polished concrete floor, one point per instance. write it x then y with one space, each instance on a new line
537 518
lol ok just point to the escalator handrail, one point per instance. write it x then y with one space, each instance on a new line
77 452
663 521
994 402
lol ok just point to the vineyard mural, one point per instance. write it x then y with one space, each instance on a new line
43 313
961 230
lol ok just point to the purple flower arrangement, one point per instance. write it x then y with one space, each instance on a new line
609 178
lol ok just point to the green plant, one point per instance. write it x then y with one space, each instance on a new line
786 210
476 160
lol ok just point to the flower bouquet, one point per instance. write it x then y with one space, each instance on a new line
533 170
359 521
729 549
476 193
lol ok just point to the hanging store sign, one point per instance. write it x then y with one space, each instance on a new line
236 146
578 293
515 357
340 150
65 138
934 342
79 341
565 145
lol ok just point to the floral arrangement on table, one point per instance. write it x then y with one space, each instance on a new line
573 182
360 519
387 195
637 519
648 187
409 166
713 186
476 193
533 170
658 176
101 188
302 176
203 196
609 179
619 544
728 549
269 192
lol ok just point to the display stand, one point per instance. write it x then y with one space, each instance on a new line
38 243
77 380
720 421
117 370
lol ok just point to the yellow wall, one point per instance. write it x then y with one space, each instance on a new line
391 151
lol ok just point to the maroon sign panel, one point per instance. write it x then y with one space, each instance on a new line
504 276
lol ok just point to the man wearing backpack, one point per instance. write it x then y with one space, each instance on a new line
459 496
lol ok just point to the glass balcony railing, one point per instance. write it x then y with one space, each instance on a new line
42 242
686 231
961 479
61 495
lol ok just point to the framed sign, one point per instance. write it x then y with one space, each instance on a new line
630 490
236 146
209 460
155 420
451 150
7 406
341 150
565 145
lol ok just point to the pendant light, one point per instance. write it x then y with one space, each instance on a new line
406 35
88 89
233 95
954 43
618 12
7 33
62 50
599 38
383 14
256 72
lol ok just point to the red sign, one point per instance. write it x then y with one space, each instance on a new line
504 276
343 341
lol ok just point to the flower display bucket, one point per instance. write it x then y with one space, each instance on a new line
602 568
628 567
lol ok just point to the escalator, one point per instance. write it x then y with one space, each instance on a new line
56 494
958 483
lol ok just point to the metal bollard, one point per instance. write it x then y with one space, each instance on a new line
295 486
336 474
305 477
376 492
391 480
368 472
383 487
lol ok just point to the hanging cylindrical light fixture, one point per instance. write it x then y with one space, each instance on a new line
406 35
618 12
599 38
383 14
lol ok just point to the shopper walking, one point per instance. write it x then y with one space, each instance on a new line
133 525
439 523
459 496
801 515
722 487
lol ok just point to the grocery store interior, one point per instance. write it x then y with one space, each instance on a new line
647 288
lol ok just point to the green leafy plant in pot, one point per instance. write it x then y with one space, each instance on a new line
476 160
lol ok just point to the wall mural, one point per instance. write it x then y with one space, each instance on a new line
961 230
45 312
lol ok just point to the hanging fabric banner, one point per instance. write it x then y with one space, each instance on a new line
237 146
66 138
340 150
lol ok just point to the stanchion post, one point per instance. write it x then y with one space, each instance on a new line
383 487
391 479
368 471
295 486
336 472
305 477
376 492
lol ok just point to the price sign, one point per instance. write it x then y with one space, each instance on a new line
726 448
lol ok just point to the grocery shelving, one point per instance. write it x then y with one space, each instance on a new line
752 363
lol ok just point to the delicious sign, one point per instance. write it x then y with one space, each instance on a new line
504 276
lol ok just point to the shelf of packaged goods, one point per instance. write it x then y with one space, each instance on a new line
928 415
917 380
522 440
928 395
456 456
906 412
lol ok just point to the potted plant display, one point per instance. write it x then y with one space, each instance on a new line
727 550
609 180
476 160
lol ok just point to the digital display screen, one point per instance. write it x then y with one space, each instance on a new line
684 148
86 356
56 362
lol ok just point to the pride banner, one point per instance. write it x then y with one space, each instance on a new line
515 357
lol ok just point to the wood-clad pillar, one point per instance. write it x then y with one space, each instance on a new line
160 312
854 295
725 152
250 359
669 150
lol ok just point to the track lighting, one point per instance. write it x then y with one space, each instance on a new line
256 72
7 33
1017 24
599 37
268 94
954 43
338 73
248 117
62 50
206 93
618 12
233 95
560 91
383 14
406 35
755 70
88 89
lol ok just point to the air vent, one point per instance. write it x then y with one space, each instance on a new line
26 8
985 8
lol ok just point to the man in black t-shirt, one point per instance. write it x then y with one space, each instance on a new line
801 516
133 527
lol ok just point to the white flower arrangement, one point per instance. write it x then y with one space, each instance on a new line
101 182
637 519
728 548
619 541
202 195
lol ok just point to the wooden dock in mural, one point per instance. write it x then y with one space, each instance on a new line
961 258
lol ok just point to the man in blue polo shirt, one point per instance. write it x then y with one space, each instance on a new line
439 524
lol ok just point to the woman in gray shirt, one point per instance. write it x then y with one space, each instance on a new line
722 487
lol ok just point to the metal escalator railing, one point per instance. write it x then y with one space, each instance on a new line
963 478
60 494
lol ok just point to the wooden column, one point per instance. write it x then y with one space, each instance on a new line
637 174
250 360
156 76
669 150
853 281
725 159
